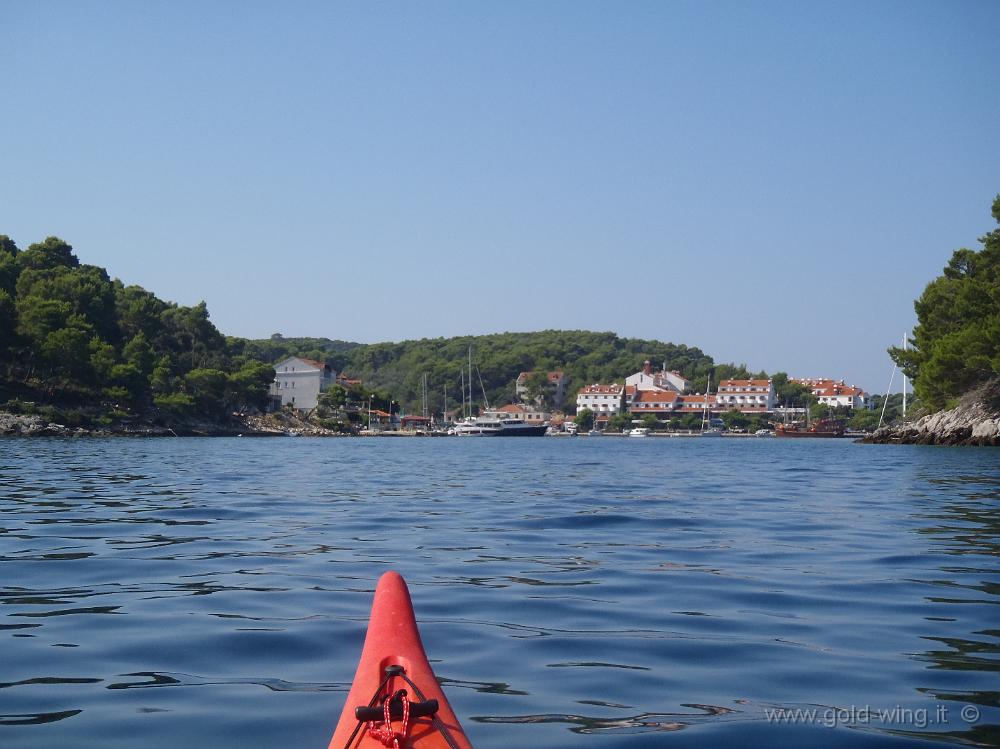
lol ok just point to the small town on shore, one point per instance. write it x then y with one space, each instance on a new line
647 402
82 353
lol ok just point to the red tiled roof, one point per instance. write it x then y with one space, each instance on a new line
745 383
840 390
655 396
312 362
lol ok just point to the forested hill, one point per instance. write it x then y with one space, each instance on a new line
586 357
98 349
71 335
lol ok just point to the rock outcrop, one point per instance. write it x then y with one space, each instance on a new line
16 425
975 421
269 425
287 423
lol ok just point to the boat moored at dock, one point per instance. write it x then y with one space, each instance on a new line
822 428
496 424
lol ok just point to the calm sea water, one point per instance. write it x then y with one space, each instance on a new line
572 592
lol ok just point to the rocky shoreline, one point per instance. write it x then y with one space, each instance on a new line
974 422
22 425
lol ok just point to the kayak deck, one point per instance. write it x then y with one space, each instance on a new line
393 659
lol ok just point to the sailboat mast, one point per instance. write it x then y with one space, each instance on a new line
486 401
423 395
470 380
704 413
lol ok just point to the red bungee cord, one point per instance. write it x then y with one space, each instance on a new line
383 731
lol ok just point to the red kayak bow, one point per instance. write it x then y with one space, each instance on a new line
395 700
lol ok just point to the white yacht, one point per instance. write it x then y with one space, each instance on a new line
492 423
639 432
495 424
472 427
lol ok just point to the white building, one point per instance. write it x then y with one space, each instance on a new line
746 396
664 404
647 379
298 382
524 413
661 403
839 394
604 400
834 392
697 403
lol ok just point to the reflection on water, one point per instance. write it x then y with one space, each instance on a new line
600 592
31 719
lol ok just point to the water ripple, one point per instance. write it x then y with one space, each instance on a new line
215 592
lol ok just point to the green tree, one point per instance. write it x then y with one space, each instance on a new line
161 380
52 253
139 353
9 267
691 421
66 354
103 359
139 311
85 289
584 419
334 398
207 387
863 419
788 393
819 411
194 341
956 343
736 420
175 403
8 324
620 421
651 422
247 388
538 389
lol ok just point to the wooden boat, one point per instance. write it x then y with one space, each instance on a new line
395 699
822 428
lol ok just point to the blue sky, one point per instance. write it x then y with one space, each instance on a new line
772 182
